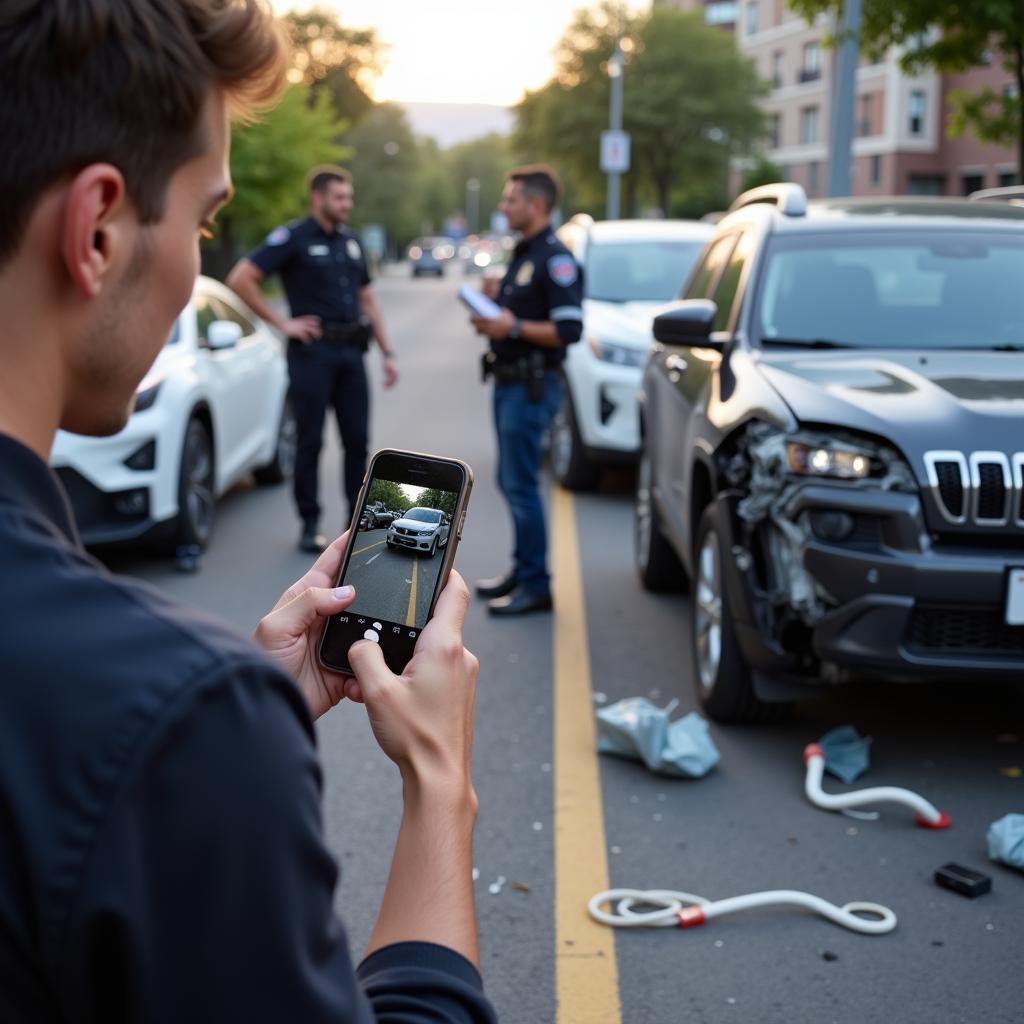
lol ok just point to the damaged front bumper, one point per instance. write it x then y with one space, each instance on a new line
829 581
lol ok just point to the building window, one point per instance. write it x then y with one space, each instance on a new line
721 12
751 15
811 70
1010 91
876 170
777 58
812 177
926 185
916 112
1007 178
972 183
809 125
864 126
775 130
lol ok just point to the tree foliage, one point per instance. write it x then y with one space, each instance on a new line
434 497
949 35
689 104
390 493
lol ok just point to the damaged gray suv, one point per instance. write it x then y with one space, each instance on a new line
833 424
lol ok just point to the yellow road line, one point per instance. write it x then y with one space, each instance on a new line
410 615
586 973
369 547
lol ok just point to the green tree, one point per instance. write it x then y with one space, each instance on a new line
330 58
390 493
689 106
270 160
433 497
950 35
486 160
762 172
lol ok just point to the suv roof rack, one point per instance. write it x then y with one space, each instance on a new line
1005 193
787 196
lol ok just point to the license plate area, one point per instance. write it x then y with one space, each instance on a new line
1015 596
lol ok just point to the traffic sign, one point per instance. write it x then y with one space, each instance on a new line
614 152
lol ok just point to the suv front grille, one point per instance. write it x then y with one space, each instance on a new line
983 632
982 488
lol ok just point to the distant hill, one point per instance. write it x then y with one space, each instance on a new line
451 123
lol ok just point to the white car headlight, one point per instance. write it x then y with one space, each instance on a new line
828 459
619 355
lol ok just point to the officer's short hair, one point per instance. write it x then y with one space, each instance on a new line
87 81
321 177
538 180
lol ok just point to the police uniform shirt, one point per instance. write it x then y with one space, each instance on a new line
321 273
543 282
162 856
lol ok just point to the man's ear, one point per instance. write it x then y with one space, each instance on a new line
91 231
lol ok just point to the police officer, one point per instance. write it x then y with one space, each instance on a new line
334 314
541 298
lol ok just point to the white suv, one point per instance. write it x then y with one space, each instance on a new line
630 269
420 529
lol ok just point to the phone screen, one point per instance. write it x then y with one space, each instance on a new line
408 523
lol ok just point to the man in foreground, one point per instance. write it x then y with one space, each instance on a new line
162 857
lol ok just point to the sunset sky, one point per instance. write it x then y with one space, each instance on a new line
459 51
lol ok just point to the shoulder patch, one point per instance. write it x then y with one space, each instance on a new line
563 270
353 249
278 236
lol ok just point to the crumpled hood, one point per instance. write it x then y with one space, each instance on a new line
921 401
625 323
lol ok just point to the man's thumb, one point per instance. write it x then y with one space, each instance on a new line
367 661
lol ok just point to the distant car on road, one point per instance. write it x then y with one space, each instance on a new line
631 268
377 515
420 529
833 449
212 408
429 255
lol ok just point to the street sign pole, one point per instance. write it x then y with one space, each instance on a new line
615 124
844 87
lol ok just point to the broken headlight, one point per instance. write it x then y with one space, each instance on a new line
809 455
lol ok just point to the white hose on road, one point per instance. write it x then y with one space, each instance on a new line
685 910
927 816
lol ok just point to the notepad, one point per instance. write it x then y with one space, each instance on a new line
478 303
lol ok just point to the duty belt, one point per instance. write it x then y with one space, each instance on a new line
346 333
530 370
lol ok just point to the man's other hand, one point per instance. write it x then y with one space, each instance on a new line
290 633
423 719
390 371
303 328
497 327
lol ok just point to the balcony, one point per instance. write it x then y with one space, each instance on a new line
808 75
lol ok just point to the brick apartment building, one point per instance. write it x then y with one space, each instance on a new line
900 146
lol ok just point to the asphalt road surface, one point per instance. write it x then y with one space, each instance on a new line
558 822
392 583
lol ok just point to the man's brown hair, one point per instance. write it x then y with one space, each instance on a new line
538 180
121 82
320 177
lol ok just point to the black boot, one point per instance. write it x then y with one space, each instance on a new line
311 540
499 586
520 602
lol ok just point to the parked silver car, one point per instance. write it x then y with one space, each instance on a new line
420 529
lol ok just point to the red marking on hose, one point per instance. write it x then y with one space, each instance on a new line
690 917
944 821
813 750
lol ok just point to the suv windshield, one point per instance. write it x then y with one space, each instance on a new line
423 515
651 271
938 288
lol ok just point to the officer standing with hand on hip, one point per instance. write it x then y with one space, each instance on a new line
334 314
541 298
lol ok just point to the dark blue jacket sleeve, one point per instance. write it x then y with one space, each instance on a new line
563 287
276 251
208 897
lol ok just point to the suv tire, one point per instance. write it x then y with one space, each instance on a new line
196 497
657 564
721 674
569 461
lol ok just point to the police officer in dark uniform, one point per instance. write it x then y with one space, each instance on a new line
334 315
541 298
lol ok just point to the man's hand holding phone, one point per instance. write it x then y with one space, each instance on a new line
423 718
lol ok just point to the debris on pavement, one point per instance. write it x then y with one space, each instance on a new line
1006 840
846 753
637 729
519 887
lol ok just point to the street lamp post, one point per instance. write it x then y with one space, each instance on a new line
472 204
614 124
840 155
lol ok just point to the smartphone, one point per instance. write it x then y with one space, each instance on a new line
405 529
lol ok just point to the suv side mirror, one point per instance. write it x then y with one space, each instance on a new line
223 334
688 322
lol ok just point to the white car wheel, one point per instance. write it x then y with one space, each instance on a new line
197 504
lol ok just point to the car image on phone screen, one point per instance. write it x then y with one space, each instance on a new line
400 550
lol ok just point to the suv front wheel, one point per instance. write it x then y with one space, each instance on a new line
721 673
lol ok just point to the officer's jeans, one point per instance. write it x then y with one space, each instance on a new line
520 425
322 374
